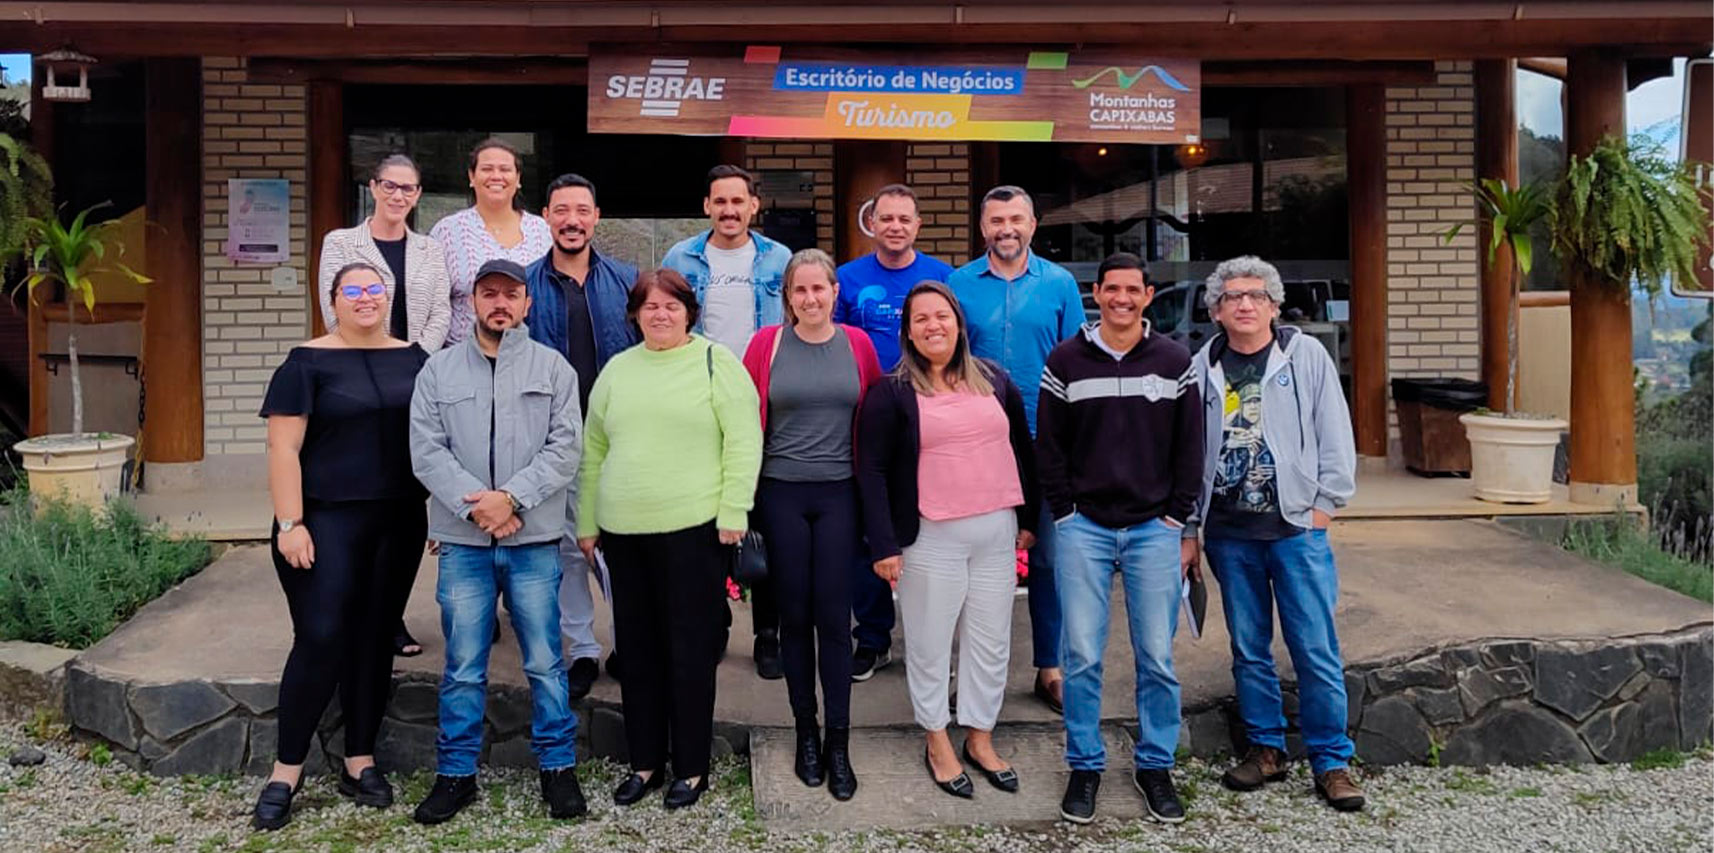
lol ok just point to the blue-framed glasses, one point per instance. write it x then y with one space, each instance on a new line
353 291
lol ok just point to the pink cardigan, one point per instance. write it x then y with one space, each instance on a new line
759 360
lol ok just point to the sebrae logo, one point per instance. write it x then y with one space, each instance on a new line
665 88
1126 80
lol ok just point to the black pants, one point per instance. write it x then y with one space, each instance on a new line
811 533
668 595
344 609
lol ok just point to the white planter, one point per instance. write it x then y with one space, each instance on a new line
87 469
1511 459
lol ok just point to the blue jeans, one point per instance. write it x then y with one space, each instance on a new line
1297 575
871 605
1146 556
1046 632
470 578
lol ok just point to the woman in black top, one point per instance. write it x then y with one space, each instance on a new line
349 528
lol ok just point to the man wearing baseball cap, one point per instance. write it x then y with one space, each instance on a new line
498 510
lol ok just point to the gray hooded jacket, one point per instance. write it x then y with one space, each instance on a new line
528 401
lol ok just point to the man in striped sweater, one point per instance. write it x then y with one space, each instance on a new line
1119 447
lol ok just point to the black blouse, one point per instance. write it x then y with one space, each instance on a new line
358 401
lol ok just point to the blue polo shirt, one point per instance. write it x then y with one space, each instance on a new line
872 298
1018 322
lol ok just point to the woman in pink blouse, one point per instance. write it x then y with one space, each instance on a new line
946 473
495 227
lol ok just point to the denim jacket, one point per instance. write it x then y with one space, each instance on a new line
518 419
607 288
690 259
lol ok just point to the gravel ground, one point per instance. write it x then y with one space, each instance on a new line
78 801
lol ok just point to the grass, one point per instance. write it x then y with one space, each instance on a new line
1619 543
1659 759
69 576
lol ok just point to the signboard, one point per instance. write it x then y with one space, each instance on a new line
258 220
798 92
1696 146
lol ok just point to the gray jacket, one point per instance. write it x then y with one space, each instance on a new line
528 401
1304 420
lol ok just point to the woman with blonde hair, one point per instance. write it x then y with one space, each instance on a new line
946 472
811 374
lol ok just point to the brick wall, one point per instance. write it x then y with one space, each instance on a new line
1433 320
816 157
249 131
940 174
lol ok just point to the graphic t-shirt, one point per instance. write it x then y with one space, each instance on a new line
1246 502
729 305
872 298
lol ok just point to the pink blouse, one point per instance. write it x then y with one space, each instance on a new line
965 466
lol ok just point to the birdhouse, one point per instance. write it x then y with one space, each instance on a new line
66 64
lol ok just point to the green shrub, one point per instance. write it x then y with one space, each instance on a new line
69 576
1622 544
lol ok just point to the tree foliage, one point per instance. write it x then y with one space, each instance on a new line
26 191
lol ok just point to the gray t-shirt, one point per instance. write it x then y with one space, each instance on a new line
729 304
812 396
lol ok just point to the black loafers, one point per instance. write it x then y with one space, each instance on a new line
635 788
369 788
681 794
273 806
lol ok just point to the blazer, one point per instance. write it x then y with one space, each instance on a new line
428 309
888 435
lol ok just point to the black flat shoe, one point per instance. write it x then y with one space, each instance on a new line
959 786
635 788
273 807
1006 780
681 794
405 645
369 788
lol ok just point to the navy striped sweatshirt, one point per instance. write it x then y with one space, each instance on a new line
1120 440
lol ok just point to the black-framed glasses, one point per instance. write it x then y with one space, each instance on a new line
1254 297
390 187
354 291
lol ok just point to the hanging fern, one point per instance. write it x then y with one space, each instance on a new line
26 190
1627 212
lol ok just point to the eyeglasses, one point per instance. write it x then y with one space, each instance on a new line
388 188
1254 297
353 291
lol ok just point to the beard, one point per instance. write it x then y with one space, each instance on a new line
1007 254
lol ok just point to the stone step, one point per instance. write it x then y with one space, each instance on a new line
895 791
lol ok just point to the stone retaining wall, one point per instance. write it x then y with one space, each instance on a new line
1490 702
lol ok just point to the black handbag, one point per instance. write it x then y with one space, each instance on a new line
749 560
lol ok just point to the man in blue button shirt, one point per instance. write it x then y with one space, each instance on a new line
1019 307
872 293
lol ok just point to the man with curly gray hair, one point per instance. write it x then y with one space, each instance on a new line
1279 461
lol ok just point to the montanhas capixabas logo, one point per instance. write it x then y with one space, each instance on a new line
1126 79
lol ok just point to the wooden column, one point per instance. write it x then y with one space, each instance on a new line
859 169
42 139
1497 158
1366 180
1603 423
328 166
172 317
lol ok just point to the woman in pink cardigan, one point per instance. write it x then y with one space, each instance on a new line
811 374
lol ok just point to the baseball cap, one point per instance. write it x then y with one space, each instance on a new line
500 266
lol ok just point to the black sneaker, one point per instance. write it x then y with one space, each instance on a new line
562 793
866 662
767 651
580 677
1078 805
1162 798
449 795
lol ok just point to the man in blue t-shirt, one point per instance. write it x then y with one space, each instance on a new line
872 292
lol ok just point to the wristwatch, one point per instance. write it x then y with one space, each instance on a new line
514 500
287 524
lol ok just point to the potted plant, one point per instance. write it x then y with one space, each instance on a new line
1511 452
84 468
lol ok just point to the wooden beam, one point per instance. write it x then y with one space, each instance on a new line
42 139
172 319
328 167
470 71
1544 299
1366 184
859 169
1497 158
1603 423
1319 73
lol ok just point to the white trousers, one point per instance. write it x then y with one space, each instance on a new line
958 580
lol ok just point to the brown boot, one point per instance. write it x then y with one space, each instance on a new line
1336 787
1260 765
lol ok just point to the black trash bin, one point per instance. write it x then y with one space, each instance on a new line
1430 435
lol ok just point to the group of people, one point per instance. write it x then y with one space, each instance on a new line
890 424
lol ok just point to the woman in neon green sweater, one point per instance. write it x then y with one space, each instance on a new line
671 450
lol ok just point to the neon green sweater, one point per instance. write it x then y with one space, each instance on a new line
667 445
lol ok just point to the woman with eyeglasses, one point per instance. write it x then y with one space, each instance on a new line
497 226
348 534
413 266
